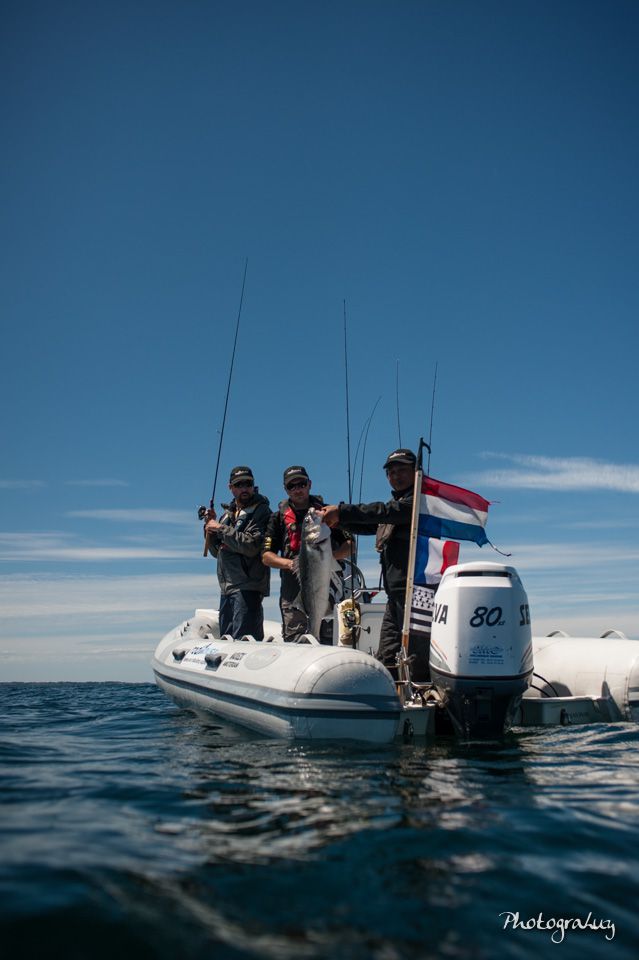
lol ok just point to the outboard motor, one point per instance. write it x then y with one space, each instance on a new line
481 646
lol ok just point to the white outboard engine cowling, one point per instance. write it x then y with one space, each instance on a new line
481 646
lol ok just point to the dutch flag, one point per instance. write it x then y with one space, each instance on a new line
449 511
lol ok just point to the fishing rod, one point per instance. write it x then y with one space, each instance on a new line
432 411
363 436
351 616
348 423
368 426
399 429
364 430
210 512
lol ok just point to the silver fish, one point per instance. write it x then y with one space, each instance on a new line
315 567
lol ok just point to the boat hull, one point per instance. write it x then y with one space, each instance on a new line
309 691
300 691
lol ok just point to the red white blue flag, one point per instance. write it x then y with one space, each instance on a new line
432 557
444 511
449 511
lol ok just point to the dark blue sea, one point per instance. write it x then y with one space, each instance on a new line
131 828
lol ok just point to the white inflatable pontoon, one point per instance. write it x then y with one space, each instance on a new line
487 670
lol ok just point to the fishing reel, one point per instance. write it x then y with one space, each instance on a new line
206 513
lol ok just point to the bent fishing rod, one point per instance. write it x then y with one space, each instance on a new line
204 512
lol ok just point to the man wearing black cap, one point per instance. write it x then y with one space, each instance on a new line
390 522
284 536
236 541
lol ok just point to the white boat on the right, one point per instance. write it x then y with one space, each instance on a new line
582 680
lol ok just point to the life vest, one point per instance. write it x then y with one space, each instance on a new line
293 529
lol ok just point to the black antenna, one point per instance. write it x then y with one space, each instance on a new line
228 386
348 422
432 411
399 429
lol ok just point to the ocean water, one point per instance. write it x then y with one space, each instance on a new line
132 828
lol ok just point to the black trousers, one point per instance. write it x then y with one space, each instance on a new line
390 641
241 613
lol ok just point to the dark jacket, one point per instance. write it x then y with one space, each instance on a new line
238 547
390 522
277 540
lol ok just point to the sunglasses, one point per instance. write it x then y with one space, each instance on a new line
243 484
297 485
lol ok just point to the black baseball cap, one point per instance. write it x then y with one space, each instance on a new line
241 473
295 473
401 456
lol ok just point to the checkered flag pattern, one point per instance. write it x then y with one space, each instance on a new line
421 610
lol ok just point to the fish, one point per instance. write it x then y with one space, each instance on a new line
315 568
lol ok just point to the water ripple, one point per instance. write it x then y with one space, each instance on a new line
144 829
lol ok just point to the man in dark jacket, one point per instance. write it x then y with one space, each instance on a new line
236 541
282 544
390 522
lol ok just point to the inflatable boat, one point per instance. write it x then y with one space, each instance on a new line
487 671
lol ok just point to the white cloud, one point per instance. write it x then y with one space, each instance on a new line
97 628
59 547
96 483
24 598
133 515
559 473
571 556
21 484
620 524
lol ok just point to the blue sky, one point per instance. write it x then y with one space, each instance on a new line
462 174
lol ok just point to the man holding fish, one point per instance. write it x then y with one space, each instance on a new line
305 551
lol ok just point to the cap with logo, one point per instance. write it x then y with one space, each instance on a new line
241 473
295 473
401 456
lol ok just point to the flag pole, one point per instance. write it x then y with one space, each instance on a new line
403 671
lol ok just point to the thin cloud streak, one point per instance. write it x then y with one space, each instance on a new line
57 548
571 556
21 484
96 483
44 596
133 515
559 473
